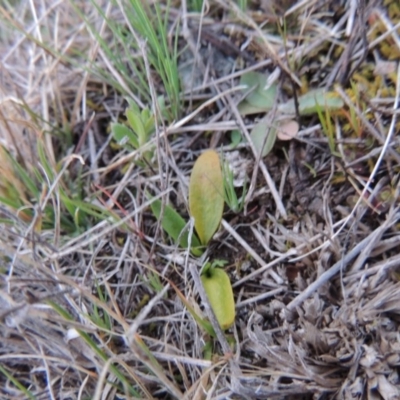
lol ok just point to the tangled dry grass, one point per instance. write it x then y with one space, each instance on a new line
91 313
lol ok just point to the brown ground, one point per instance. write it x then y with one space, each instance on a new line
87 308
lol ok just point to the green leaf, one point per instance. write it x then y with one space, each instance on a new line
218 263
263 136
236 138
11 201
122 134
17 383
245 108
309 102
92 343
150 357
231 199
218 288
206 195
44 161
136 123
149 125
174 225
133 106
155 282
263 96
328 129
29 183
208 350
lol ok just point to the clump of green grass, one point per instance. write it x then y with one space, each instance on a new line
139 47
45 197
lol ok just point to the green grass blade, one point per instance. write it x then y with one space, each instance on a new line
68 317
17 384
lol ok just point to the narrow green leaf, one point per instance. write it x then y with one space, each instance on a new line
88 208
152 360
29 183
11 201
44 161
200 321
263 136
328 129
174 225
17 384
309 102
91 342
235 203
208 350
206 195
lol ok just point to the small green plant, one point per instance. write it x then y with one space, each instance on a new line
261 96
328 129
27 193
263 136
206 202
139 49
234 202
98 316
154 282
140 129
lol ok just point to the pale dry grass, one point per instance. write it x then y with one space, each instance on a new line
313 259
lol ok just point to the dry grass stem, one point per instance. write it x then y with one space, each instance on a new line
105 107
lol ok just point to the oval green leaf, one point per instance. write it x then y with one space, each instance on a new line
206 195
263 136
263 96
218 288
